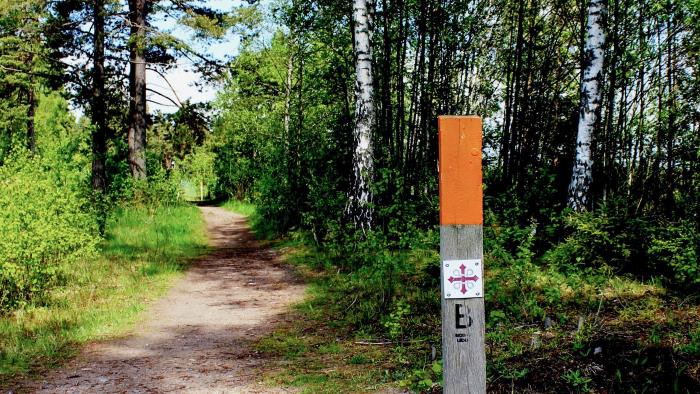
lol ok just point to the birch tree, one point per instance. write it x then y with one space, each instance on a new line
360 194
590 101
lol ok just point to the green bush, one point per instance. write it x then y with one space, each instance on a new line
643 246
198 170
598 239
675 249
44 226
380 290
160 188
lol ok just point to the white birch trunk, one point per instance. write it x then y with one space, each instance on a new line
288 96
361 195
590 101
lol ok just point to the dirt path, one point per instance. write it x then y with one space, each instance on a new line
198 338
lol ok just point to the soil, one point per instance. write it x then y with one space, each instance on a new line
200 337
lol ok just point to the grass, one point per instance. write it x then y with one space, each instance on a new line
548 329
606 333
635 335
260 228
145 250
315 359
313 352
241 207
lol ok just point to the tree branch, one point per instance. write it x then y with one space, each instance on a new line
176 103
168 82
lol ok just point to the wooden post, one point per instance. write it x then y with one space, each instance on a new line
461 255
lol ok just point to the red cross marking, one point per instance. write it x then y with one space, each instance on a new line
464 279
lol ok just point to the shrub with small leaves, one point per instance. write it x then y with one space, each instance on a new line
44 226
675 250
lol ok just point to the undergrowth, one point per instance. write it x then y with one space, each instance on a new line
550 327
144 250
261 228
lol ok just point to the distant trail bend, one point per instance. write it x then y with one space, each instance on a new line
198 338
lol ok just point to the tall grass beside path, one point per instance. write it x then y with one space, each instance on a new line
145 250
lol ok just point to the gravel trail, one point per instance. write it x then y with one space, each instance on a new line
198 338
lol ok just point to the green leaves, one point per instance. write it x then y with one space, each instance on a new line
198 168
208 24
44 227
643 246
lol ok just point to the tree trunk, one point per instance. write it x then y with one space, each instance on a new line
669 201
31 109
387 114
290 142
513 132
590 101
608 164
401 51
505 137
638 158
137 87
360 194
288 96
99 120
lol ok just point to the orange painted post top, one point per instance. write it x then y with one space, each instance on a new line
461 192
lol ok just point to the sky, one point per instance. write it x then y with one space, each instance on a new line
183 78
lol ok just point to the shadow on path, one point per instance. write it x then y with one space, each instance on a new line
198 338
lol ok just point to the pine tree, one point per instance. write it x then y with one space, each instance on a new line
99 119
137 88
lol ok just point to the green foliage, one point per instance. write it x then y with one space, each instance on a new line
676 250
271 152
158 189
395 321
24 67
162 187
58 138
252 109
578 381
425 379
102 297
45 226
597 239
177 135
693 346
198 168
644 246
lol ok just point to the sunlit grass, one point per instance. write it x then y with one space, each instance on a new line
241 207
145 250
258 224
537 312
540 316
319 363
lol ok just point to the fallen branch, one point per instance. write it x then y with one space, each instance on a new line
384 343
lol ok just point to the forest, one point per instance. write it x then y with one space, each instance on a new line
323 131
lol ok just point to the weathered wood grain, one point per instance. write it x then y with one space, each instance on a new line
464 362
